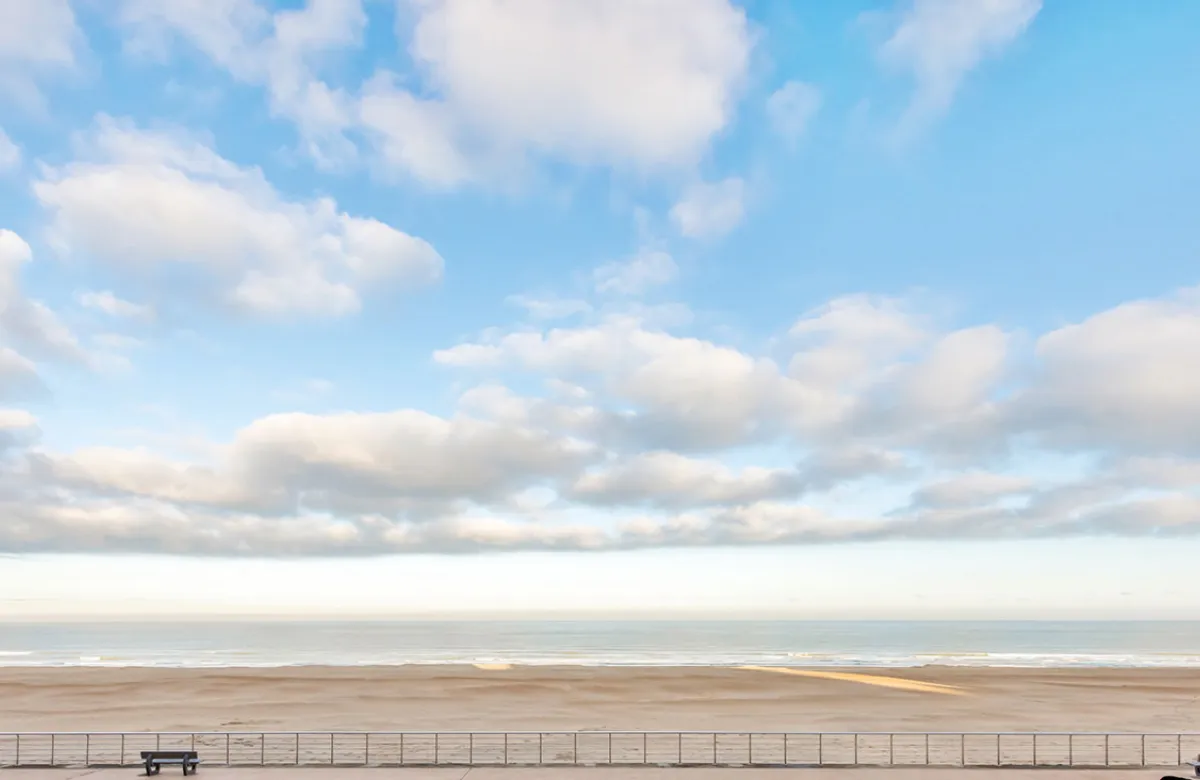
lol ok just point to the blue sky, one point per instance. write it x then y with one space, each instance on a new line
846 298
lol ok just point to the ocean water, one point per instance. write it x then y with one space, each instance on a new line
607 643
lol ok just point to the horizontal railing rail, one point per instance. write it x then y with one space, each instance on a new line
556 748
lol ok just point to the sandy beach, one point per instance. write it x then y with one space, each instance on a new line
576 698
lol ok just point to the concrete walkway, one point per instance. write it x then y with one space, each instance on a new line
601 773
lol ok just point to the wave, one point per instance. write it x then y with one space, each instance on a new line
799 660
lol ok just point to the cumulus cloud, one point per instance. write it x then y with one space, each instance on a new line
632 84
941 41
1126 378
158 202
646 438
709 210
647 82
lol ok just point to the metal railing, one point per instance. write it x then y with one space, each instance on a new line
660 748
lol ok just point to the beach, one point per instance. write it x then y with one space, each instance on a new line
444 698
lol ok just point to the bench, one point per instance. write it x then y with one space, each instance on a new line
156 759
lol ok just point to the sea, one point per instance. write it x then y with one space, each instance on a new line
276 643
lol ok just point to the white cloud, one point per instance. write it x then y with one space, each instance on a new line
1127 379
708 210
10 153
673 480
634 83
36 36
630 83
108 303
941 41
791 108
970 489
148 200
651 81
648 268
413 135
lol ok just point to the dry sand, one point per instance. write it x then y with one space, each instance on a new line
562 698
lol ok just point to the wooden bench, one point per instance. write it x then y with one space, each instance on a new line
156 759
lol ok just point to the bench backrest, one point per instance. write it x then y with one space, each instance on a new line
177 754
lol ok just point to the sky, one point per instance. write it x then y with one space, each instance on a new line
878 308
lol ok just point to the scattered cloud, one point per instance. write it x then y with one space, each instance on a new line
106 302
941 41
646 269
157 201
30 324
550 307
791 108
36 37
710 210
280 51
10 153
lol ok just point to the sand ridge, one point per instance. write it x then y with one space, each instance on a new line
886 681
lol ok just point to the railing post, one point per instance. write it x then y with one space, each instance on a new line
17 762
158 741
123 750
297 743
575 748
1143 750
437 747
540 741
1179 749
610 747
785 747
891 750
927 749
470 748
645 739
401 748
226 749
506 748
51 750
998 737
1106 750
87 749
820 749
856 749
750 748
962 749
1070 750
679 749
714 738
